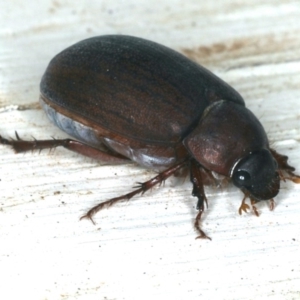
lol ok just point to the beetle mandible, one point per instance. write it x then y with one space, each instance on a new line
129 99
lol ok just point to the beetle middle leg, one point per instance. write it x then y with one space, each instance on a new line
20 145
198 176
140 189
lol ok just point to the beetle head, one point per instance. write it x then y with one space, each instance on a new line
257 174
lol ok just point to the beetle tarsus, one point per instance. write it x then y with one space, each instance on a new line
254 209
87 216
285 170
198 228
291 176
271 204
244 206
19 145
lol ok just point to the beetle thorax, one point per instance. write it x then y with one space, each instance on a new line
226 133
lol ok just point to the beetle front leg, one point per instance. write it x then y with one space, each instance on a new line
20 145
198 191
244 207
285 168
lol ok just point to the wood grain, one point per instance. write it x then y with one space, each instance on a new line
146 248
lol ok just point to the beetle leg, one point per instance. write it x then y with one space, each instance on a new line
198 191
20 145
245 207
271 204
253 202
142 188
284 167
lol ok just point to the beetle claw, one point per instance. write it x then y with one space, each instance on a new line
271 204
293 177
87 216
244 206
255 210
203 237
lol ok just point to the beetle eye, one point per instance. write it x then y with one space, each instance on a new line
241 179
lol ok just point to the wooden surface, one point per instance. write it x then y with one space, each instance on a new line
146 248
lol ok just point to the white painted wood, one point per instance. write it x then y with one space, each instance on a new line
145 249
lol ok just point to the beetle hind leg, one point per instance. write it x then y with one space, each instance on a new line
19 145
140 189
197 178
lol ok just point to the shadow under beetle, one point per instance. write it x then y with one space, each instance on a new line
129 99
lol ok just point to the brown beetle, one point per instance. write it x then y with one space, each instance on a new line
125 98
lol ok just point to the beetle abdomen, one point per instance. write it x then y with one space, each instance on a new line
74 128
158 157
133 87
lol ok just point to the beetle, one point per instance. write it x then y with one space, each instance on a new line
125 98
